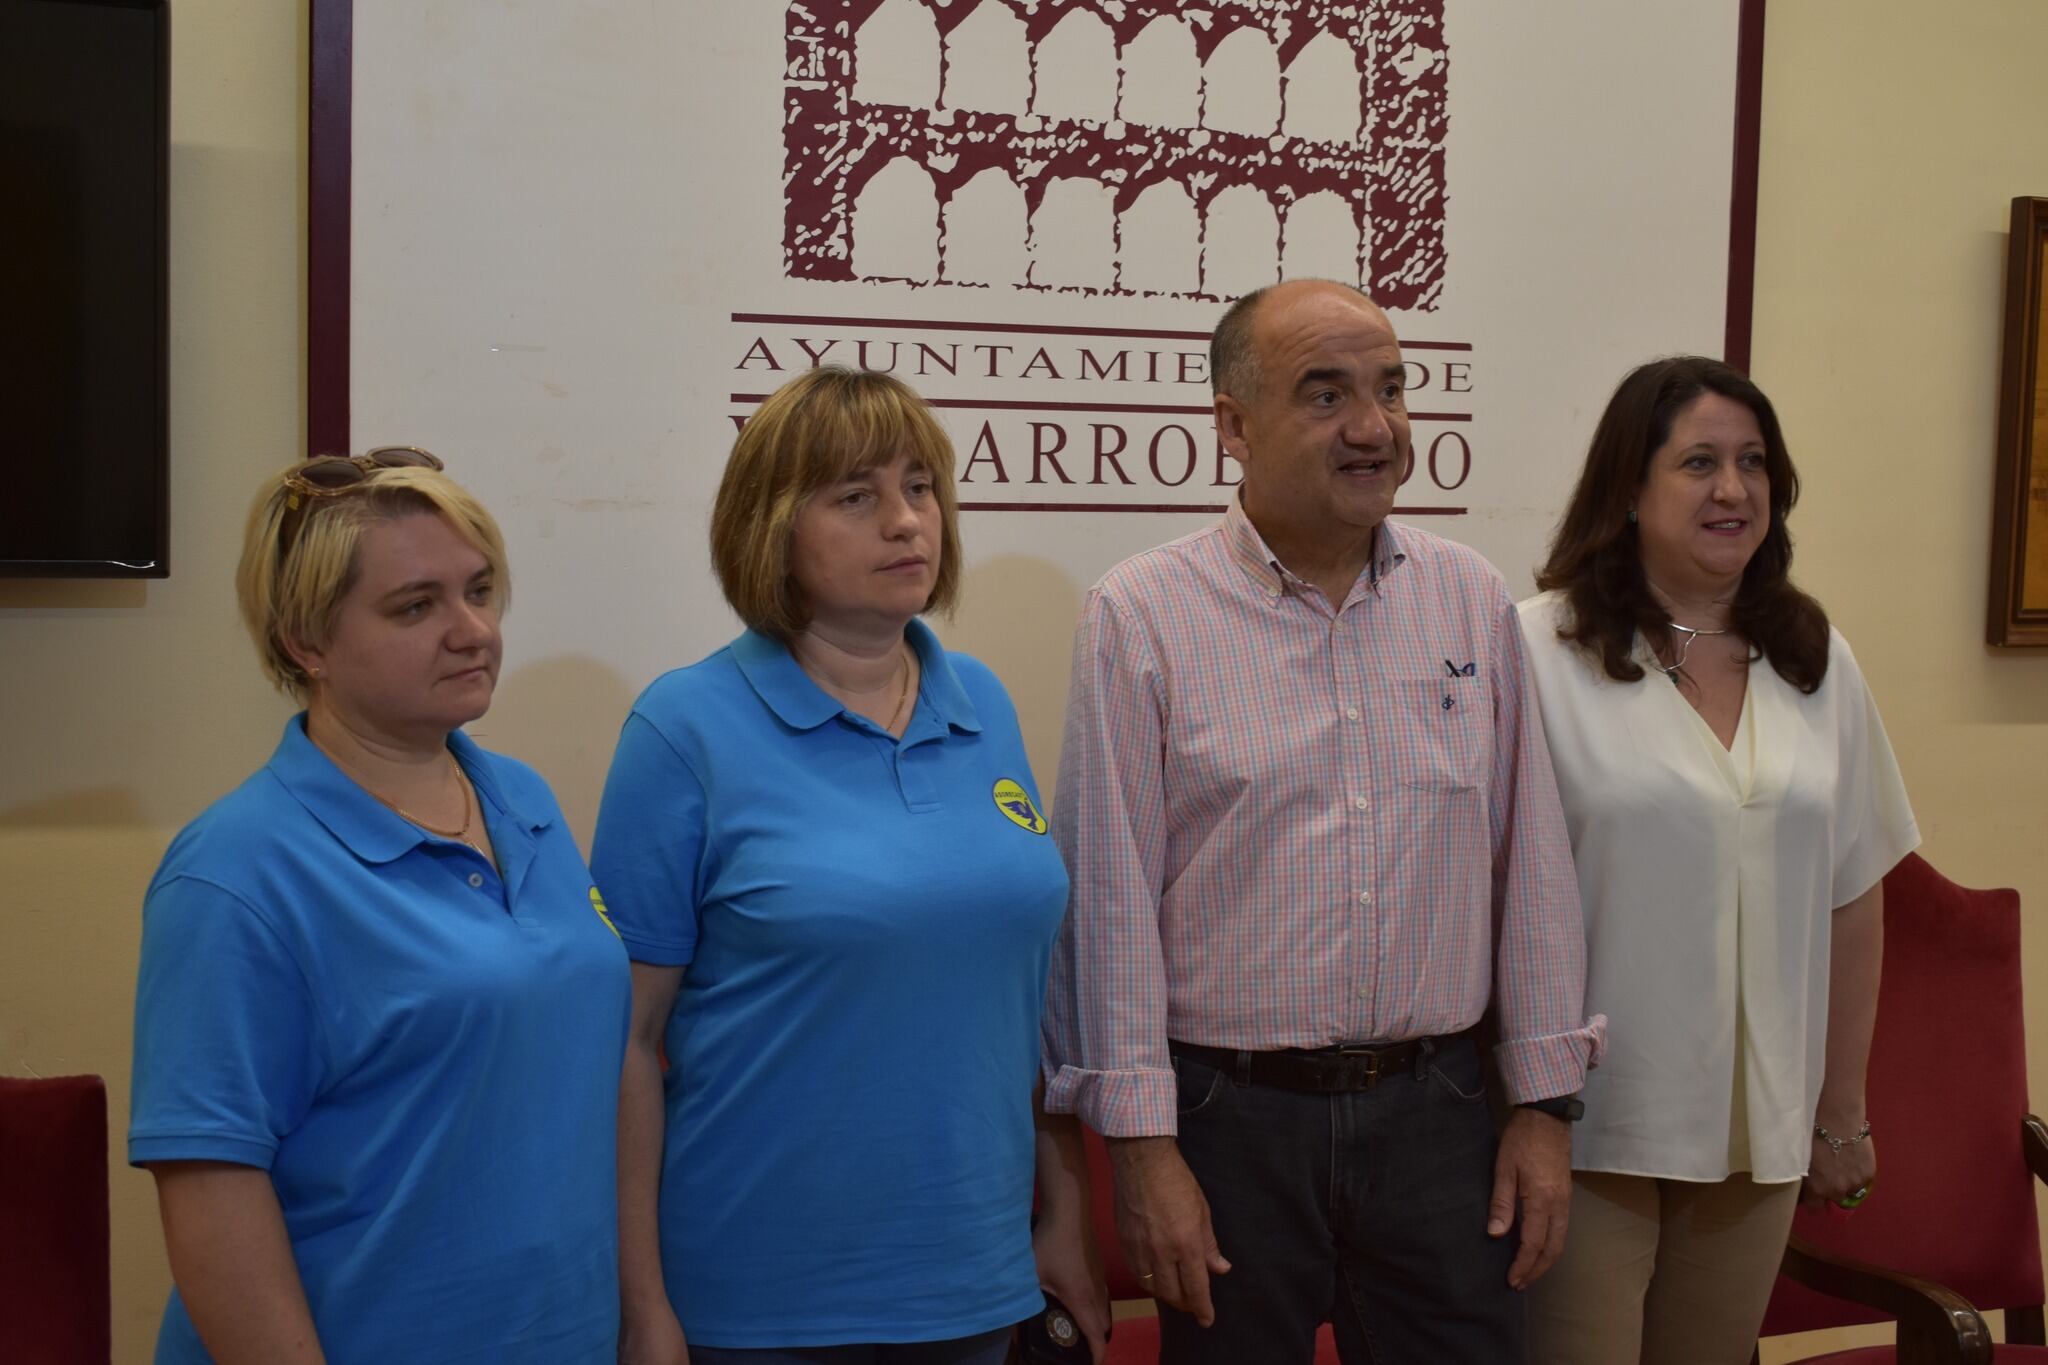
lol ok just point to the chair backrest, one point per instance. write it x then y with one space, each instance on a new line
55 1304
1954 1201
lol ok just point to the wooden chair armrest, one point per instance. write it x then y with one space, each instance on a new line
1937 1326
2034 1142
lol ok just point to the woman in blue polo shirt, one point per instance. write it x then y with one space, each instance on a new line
381 1014
825 852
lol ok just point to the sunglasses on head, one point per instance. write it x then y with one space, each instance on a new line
331 476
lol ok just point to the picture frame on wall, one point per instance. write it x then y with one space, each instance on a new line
2018 614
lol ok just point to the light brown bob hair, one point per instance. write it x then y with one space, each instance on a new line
820 429
292 592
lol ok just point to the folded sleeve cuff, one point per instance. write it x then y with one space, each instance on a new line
1138 1103
656 952
1553 1064
147 1147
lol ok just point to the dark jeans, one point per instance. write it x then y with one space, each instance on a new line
987 1348
1365 1209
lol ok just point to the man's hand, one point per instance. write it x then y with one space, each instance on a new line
1070 1270
1163 1222
1534 1170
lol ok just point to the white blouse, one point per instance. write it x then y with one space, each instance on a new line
1708 877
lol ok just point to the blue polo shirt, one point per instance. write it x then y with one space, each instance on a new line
866 923
424 1055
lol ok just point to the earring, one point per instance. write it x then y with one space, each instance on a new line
1631 516
313 674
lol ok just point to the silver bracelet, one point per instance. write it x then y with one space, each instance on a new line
1835 1144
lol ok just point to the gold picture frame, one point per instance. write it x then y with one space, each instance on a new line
2019 497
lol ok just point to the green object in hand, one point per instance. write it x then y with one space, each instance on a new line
1853 1198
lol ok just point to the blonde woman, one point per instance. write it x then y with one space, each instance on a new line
381 1015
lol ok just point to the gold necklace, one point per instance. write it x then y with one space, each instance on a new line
903 696
839 690
468 811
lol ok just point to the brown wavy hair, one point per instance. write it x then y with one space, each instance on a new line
1596 559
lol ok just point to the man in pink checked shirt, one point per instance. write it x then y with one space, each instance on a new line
1313 835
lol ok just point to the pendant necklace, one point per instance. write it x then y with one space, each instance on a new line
1690 635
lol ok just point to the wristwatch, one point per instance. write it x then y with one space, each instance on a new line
1570 1108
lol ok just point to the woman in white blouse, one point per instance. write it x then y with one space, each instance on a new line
1733 806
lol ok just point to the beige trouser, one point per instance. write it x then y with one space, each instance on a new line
1660 1272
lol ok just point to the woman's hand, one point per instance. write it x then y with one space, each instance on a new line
1855 959
1070 1270
1834 1176
652 1338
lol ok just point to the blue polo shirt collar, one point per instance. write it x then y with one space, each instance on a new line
780 681
371 830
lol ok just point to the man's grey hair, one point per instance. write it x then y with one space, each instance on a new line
1233 359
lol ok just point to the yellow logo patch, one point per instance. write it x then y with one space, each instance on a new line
1015 803
597 904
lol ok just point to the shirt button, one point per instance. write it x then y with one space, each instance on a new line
1365 898
1351 713
1362 804
476 879
1365 993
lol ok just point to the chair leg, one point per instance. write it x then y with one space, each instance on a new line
2023 1327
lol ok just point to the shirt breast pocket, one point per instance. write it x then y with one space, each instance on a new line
1444 734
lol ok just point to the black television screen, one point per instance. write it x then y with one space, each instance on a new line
84 141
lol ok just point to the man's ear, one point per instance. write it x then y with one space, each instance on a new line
1232 428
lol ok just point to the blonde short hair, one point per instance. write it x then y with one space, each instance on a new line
293 592
819 429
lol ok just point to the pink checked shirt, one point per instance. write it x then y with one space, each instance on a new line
1293 827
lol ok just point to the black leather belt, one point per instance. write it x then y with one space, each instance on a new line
1331 1069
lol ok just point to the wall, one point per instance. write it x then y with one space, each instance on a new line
129 706
1894 140
1891 148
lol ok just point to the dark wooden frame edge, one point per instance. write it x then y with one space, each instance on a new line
329 170
2007 624
1749 102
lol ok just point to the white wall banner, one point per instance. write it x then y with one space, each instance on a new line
588 238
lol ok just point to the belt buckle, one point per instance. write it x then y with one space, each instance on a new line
1348 1053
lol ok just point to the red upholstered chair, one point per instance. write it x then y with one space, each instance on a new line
55 1304
1952 1214
1135 1340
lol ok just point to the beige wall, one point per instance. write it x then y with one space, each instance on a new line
1890 150
127 707
1894 139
